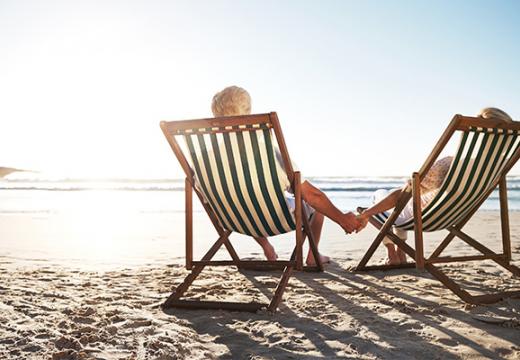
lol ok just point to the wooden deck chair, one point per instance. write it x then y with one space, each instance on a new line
233 170
488 149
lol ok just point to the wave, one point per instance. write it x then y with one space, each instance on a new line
327 184
43 188
92 181
360 190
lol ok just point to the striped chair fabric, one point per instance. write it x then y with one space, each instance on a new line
236 170
476 168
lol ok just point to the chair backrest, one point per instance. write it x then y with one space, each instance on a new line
238 169
487 151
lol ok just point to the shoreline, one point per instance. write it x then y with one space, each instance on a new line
59 310
158 240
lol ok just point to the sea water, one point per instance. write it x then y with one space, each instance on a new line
40 196
106 223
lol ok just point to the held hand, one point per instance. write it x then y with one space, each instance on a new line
363 221
350 222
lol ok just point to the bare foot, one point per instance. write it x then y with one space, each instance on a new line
269 252
393 257
402 256
311 262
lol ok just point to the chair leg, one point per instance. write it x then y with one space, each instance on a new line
466 296
181 289
417 215
174 300
386 267
403 246
385 230
312 243
443 245
451 236
452 285
232 252
441 276
504 217
449 283
189 223
371 250
485 250
298 220
277 298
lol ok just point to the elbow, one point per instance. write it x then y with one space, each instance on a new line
309 193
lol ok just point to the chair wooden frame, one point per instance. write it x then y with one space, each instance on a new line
412 191
303 229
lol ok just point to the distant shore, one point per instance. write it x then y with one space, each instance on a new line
4 171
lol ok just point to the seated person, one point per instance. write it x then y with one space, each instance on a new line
234 100
384 200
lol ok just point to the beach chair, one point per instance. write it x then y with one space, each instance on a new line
231 166
488 149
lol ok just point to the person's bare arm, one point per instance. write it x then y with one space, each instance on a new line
321 203
385 204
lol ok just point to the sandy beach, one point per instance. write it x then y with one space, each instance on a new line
110 111
60 310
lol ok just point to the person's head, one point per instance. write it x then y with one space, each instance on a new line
233 100
494 113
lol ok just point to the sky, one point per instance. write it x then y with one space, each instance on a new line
360 87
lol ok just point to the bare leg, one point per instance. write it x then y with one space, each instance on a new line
316 227
400 253
393 257
402 256
268 249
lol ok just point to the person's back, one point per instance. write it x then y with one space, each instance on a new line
235 101
384 200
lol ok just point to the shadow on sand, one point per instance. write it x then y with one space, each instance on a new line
352 322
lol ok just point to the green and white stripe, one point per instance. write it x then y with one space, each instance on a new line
479 161
240 178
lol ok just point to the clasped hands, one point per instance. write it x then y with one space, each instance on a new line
352 223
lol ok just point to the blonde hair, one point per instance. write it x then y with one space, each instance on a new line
233 100
494 113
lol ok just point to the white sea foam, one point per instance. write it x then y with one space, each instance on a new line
39 194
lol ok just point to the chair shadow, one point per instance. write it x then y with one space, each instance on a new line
350 307
347 278
237 341
220 324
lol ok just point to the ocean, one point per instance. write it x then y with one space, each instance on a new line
41 196
113 223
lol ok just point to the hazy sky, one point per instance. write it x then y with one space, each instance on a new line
361 87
